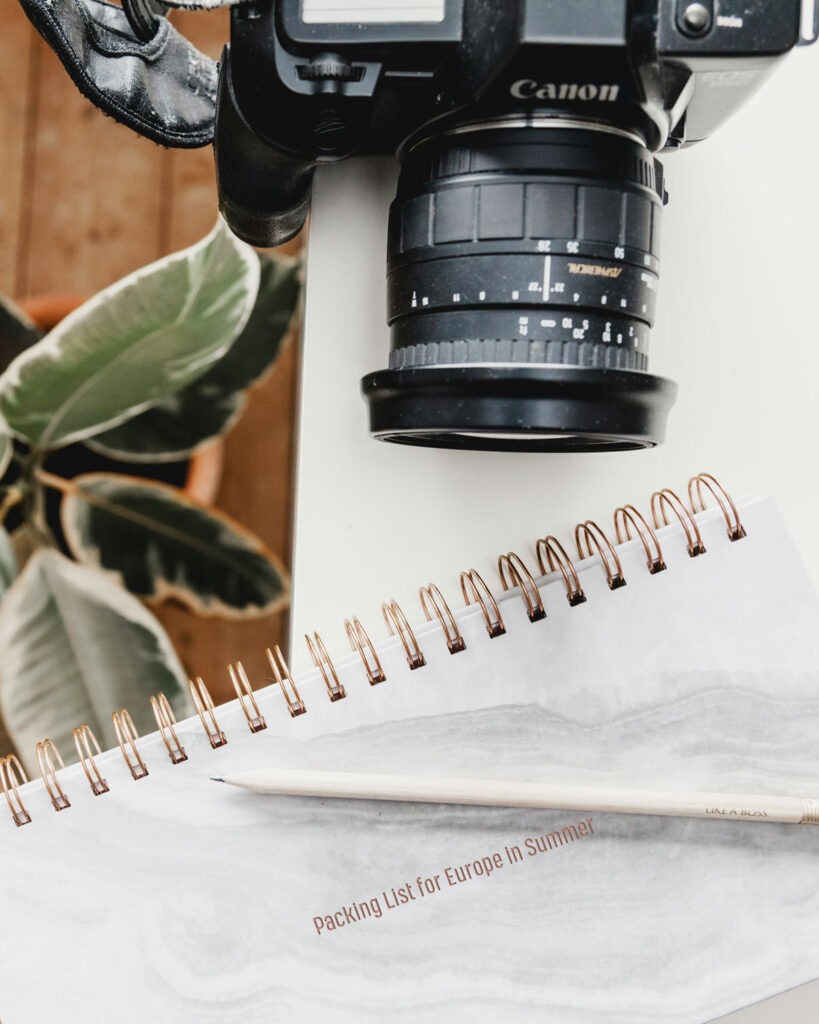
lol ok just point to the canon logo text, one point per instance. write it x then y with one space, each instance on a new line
529 89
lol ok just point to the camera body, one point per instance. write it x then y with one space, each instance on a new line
523 248
296 91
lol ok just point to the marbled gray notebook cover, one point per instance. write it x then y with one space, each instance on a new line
177 899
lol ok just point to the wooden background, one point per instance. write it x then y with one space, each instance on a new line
83 200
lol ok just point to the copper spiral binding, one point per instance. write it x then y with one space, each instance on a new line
736 531
206 710
166 720
83 738
430 593
520 576
45 751
127 736
397 625
295 705
363 646
324 663
9 765
472 581
666 499
592 535
552 557
557 559
246 698
626 516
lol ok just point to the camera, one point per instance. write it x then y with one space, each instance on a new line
523 241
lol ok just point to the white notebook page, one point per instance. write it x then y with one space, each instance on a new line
176 898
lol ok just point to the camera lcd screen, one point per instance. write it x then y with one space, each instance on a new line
372 12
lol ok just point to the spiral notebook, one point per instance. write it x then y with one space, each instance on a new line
677 657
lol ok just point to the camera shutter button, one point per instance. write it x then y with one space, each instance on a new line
695 19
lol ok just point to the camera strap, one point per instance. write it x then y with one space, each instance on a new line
161 86
200 5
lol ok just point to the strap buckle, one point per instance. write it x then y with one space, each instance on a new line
144 17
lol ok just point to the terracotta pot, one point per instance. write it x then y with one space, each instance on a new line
204 466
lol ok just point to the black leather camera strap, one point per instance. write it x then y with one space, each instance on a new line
145 15
162 87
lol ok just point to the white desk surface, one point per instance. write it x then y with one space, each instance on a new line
736 328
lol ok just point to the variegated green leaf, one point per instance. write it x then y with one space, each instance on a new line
133 344
5 452
163 545
207 408
76 647
8 562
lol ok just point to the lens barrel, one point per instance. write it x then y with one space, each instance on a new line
522 275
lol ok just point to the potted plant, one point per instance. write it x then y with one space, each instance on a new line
150 370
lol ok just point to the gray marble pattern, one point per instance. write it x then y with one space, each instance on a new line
178 899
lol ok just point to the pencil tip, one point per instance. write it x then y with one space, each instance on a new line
214 779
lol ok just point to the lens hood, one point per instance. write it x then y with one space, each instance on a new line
528 408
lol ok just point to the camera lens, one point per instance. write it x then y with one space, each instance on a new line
522 274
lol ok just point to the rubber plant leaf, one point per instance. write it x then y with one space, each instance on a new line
132 344
77 647
163 545
8 562
5 452
175 427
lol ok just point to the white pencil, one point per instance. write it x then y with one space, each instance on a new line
544 795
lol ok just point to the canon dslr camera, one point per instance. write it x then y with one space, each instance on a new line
522 260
